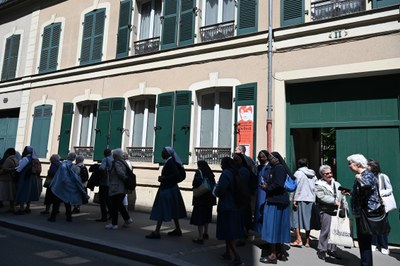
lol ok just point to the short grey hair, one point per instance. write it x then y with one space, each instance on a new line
79 159
242 148
71 156
324 167
118 153
125 155
358 159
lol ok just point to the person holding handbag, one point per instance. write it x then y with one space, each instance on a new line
385 189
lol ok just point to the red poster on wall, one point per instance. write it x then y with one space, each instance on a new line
245 128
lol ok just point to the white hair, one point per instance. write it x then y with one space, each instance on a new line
358 159
323 167
117 153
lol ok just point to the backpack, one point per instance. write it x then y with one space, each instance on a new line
94 180
36 167
84 174
130 181
182 173
242 191
290 184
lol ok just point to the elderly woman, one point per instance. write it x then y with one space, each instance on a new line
168 203
117 190
364 197
7 174
27 186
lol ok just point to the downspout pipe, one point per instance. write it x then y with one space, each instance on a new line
269 99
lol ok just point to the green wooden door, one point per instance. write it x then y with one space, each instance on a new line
181 137
40 129
65 131
164 122
381 144
245 117
110 117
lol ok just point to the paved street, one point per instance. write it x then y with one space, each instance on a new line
131 242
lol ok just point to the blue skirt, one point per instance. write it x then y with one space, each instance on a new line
168 205
230 225
201 215
301 218
276 224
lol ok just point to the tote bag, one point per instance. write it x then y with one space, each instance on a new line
203 188
388 201
340 233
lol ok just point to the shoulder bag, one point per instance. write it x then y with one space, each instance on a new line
388 201
204 187
340 233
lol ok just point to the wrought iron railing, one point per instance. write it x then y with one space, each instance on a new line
217 31
326 9
85 151
140 154
147 45
212 155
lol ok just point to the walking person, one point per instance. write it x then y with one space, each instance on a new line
202 204
104 176
7 177
168 204
82 172
27 185
385 189
276 225
364 197
67 187
49 196
132 193
304 200
229 219
117 190
329 200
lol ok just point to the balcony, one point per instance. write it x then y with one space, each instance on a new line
147 46
326 9
212 155
217 31
140 154
85 151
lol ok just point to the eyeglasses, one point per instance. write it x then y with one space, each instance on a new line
328 173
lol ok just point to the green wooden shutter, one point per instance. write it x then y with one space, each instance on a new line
101 141
124 28
246 95
116 122
8 133
164 122
168 39
65 131
40 129
187 22
92 39
50 47
10 58
292 12
384 3
247 16
182 115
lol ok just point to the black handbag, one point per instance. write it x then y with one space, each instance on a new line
374 222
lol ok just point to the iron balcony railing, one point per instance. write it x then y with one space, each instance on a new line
217 31
85 151
212 155
326 9
140 154
147 46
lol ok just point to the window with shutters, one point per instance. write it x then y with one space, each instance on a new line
10 57
124 28
142 128
149 25
219 20
50 48
92 38
87 121
214 126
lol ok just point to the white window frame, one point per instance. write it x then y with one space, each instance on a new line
145 119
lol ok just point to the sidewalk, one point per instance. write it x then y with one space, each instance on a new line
131 242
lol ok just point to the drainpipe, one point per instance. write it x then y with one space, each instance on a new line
269 99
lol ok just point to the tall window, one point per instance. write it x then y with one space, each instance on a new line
10 57
88 112
218 11
216 119
143 111
50 47
150 12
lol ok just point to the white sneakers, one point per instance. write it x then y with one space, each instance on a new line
383 250
111 227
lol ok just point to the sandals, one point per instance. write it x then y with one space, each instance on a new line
297 243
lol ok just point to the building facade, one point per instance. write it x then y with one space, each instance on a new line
198 75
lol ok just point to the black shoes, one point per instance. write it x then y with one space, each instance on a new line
268 260
153 235
175 232
76 210
321 255
334 255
